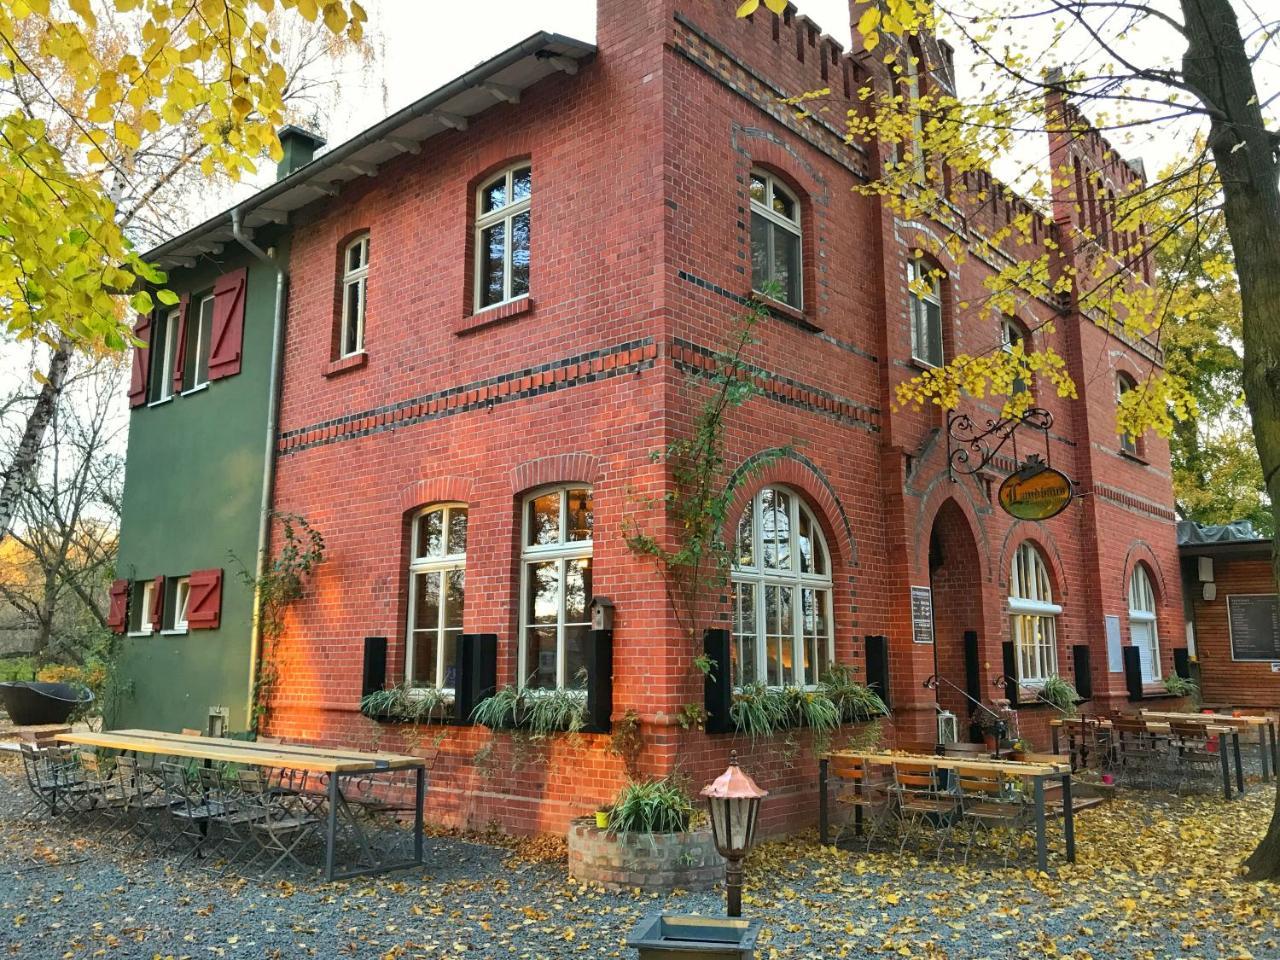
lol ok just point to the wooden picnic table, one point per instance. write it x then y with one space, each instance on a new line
1159 725
1037 773
335 765
1268 753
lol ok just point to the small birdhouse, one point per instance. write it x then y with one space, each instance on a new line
601 613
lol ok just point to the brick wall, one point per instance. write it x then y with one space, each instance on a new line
641 260
1222 679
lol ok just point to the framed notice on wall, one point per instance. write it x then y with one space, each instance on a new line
922 615
1253 623
1115 650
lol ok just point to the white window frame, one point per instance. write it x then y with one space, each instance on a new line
921 271
759 577
504 214
168 356
196 382
359 278
1011 333
912 75
1142 611
1128 442
772 186
442 564
146 603
1031 604
181 598
561 552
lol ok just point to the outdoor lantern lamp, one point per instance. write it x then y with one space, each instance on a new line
733 800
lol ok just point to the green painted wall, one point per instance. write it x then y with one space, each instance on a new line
193 488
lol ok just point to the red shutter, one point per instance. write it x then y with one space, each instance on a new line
118 612
138 383
228 323
204 601
157 604
180 354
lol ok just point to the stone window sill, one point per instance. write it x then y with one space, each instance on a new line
492 315
1134 458
343 364
790 314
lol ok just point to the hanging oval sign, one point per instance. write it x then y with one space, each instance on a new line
1036 492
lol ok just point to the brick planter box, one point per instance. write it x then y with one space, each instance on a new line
653 862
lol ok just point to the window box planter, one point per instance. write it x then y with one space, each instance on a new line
668 936
652 862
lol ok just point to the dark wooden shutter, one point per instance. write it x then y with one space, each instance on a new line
118 612
204 599
228 323
157 604
180 348
141 356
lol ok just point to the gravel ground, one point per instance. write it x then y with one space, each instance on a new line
1154 881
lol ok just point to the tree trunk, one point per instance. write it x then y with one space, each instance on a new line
1217 65
19 472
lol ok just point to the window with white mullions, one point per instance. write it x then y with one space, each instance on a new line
1013 338
195 371
775 239
924 293
1143 631
782 633
141 606
1033 616
502 237
355 283
164 347
1128 442
437 591
555 584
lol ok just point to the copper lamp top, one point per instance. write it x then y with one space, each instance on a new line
734 784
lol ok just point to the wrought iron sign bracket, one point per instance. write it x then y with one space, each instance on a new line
970 448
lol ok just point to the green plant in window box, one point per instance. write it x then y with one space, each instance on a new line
1060 693
406 703
1182 687
538 713
854 700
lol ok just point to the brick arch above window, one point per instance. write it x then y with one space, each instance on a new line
800 474
557 469
1140 552
761 149
1025 531
931 504
428 490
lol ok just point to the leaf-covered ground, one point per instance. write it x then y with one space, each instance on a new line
1155 879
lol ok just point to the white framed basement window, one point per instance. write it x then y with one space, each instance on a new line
502 237
355 288
782 623
1033 616
555 587
1143 629
437 591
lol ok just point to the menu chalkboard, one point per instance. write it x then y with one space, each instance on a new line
922 615
1253 621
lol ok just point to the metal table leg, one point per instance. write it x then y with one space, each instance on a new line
1068 819
331 841
1226 766
1275 750
823 824
1042 852
1235 750
1053 735
420 776
1264 752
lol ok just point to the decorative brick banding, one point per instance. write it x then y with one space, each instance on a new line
656 863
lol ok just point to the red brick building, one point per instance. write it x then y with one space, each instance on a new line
498 328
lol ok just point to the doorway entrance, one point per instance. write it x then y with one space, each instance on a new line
955 578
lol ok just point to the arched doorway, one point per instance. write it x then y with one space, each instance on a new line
955 577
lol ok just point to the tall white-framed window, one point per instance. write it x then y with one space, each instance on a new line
437 591
1012 337
355 285
924 292
502 237
1143 631
555 586
1033 616
782 623
195 371
165 349
911 79
141 607
1128 442
175 611
775 239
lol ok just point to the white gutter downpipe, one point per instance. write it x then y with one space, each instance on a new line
269 459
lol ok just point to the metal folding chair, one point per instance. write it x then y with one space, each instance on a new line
188 814
866 789
991 802
923 798
1191 756
146 804
278 822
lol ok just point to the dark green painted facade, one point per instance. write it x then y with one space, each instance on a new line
192 496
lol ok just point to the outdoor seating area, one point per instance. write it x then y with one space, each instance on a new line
933 804
248 807
1179 752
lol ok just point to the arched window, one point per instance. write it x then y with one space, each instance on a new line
924 286
1033 616
775 239
355 278
1014 334
555 584
782 628
1142 623
1128 442
437 589
502 237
